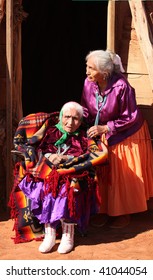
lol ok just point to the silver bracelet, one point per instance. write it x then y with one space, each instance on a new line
70 157
47 155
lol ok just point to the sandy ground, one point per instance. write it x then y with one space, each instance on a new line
134 242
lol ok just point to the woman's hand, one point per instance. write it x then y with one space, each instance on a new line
57 158
96 130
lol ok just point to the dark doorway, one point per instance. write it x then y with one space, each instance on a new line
56 36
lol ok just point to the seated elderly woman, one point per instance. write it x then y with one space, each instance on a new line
58 175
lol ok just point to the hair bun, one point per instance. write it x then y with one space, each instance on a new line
117 61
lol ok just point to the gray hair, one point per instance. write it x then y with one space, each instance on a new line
72 105
104 61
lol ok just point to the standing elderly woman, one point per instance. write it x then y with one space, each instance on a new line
61 142
111 110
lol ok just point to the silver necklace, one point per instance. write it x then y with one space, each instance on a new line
100 98
64 147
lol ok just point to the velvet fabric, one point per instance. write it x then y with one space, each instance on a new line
78 142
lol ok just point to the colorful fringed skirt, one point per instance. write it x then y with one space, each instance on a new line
66 202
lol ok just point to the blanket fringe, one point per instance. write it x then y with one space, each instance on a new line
51 182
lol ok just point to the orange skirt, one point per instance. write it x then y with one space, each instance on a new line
126 183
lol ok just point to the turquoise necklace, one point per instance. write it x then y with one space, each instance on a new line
102 100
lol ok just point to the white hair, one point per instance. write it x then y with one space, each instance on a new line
105 61
71 105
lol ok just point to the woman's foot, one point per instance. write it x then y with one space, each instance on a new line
120 221
67 240
99 220
49 239
47 245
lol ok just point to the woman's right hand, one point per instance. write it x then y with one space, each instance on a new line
96 130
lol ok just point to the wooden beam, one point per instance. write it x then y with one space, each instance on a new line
142 30
111 26
1 9
9 93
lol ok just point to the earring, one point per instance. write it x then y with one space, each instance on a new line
105 76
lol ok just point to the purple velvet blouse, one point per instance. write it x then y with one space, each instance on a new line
120 111
78 143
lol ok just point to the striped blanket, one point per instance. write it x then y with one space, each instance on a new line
30 131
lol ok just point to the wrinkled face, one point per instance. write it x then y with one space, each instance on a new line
71 120
92 73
